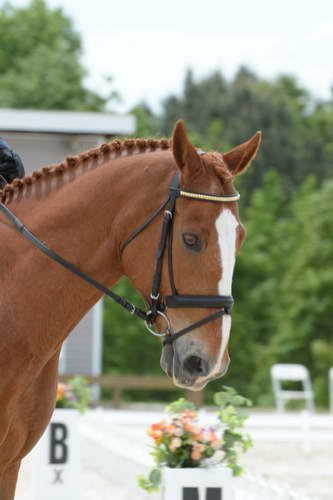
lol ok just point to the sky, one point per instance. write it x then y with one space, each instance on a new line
147 45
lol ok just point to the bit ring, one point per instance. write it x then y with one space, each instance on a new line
168 326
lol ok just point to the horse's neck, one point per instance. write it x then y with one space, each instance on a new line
84 221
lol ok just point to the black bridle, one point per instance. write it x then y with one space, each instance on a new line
158 305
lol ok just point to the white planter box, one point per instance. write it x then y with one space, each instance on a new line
55 460
197 484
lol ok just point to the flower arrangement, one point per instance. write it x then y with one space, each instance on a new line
75 394
180 441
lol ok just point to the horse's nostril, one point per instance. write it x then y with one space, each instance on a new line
196 366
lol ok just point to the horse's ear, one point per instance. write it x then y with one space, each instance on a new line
185 154
239 158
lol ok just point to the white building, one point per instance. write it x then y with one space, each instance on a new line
45 137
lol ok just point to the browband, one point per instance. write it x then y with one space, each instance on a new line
209 197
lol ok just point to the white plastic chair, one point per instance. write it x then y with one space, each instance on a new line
330 380
295 373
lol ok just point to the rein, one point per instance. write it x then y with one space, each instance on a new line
158 307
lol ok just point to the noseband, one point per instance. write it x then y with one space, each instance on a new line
158 305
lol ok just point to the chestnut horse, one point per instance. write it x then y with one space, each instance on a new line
84 209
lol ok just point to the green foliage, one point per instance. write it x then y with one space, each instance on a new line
75 394
128 347
228 402
180 405
284 289
229 398
146 122
304 331
40 64
152 483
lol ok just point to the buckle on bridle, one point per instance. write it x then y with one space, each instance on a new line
132 311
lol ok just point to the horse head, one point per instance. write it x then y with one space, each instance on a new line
206 238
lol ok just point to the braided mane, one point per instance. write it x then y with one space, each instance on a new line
107 151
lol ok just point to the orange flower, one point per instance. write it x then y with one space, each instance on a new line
157 427
60 391
199 436
189 427
198 447
157 436
197 451
195 455
213 436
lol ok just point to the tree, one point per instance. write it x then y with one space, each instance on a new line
146 122
304 329
40 64
258 272
297 132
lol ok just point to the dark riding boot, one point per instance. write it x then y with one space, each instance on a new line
11 165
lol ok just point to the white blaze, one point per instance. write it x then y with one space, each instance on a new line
226 227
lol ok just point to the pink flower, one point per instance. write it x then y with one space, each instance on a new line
178 432
189 427
199 436
213 436
217 443
175 443
205 437
189 414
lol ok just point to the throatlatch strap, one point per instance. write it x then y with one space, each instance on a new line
146 223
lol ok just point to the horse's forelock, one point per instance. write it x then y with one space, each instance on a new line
215 161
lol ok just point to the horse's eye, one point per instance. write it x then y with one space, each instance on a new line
192 242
